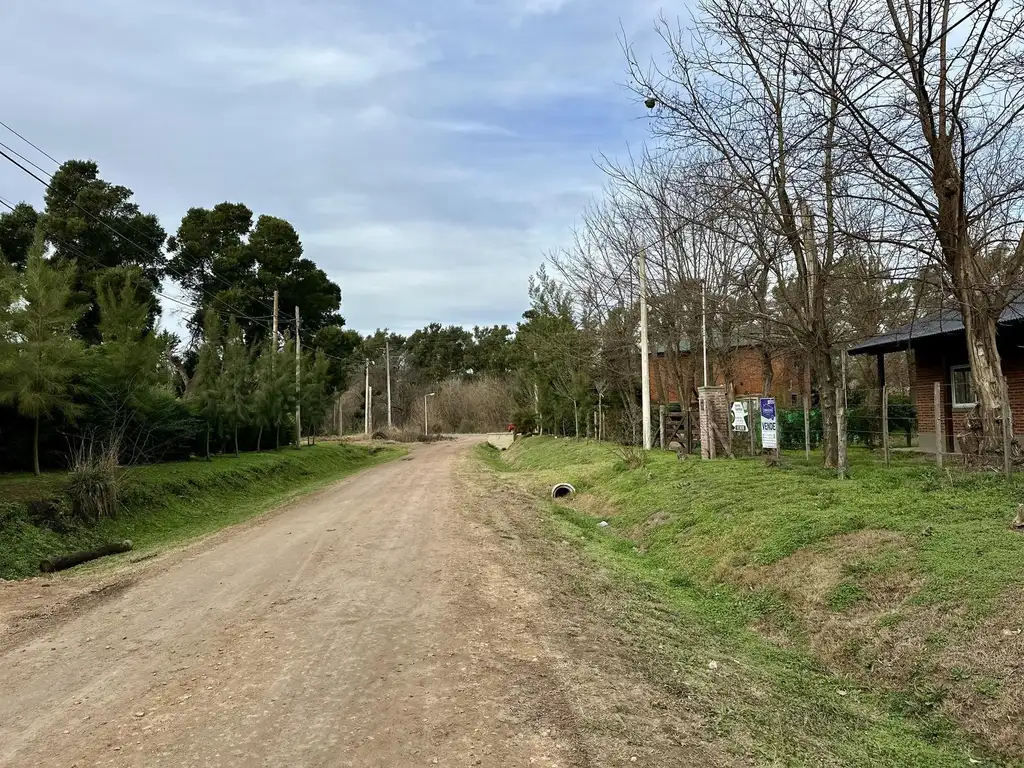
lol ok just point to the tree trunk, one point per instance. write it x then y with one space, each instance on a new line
236 441
986 371
767 373
827 397
277 438
35 448
259 441
208 458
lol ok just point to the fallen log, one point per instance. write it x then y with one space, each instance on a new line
62 562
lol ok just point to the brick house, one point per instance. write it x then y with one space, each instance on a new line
746 380
939 354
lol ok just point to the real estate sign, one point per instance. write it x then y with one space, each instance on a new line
769 424
739 417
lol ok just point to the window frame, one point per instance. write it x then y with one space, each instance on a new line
952 387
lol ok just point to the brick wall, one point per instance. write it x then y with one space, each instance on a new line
746 376
933 359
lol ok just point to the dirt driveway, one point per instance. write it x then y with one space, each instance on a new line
390 620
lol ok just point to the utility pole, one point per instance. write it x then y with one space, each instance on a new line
387 357
298 383
704 325
366 400
426 427
275 321
645 362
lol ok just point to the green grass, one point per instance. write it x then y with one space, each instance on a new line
780 700
169 503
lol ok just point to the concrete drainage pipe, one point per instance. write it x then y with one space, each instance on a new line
562 490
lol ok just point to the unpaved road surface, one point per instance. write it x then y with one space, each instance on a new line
380 622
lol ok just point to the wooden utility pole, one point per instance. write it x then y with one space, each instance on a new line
275 320
387 358
939 437
298 383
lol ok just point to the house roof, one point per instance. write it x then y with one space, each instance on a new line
945 322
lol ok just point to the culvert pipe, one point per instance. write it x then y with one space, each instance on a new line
561 490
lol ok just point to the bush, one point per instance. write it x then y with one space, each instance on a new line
94 481
791 428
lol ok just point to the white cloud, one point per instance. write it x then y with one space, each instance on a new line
367 59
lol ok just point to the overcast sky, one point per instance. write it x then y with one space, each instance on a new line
429 152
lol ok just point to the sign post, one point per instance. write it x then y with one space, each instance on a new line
769 425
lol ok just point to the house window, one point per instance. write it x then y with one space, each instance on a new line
963 389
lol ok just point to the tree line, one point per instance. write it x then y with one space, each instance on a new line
83 359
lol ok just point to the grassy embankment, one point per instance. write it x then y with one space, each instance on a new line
169 503
872 621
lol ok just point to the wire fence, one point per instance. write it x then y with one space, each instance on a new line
932 420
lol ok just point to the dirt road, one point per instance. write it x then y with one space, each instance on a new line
379 622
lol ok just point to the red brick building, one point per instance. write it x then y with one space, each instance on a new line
745 375
939 353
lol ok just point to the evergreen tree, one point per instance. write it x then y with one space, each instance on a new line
315 396
285 388
270 397
39 364
235 381
127 372
203 391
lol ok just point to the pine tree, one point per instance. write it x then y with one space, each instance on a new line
235 381
315 398
203 392
127 370
285 388
269 398
38 367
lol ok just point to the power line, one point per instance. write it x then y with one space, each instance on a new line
37 149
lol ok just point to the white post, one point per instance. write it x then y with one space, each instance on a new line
366 401
387 355
275 320
645 363
704 326
426 428
298 384
369 411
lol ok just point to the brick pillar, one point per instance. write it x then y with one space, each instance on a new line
714 409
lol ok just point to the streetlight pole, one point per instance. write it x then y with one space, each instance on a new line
426 429
366 394
387 357
645 358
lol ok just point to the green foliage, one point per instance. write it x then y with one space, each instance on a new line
17 233
203 394
845 595
86 215
316 398
39 365
274 393
230 265
791 428
235 383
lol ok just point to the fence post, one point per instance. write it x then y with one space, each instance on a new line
937 400
841 433
807 426
885 423
752 413
1007 435
661 425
